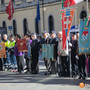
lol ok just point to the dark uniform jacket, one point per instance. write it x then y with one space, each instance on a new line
74 47
35 46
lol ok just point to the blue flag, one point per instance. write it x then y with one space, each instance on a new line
84 38
38 13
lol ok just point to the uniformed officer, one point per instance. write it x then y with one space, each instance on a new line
35 46
55 43
73 55
45 40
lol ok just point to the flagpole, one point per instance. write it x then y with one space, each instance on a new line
62 5
87 7
43 15
11 14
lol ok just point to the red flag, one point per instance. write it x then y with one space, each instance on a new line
68 3
10 10
67 17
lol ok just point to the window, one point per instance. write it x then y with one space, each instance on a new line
2 1
13 1
51 24
4 24
25 24
14 27
36 27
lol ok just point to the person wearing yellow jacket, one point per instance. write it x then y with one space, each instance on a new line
11 52
7 59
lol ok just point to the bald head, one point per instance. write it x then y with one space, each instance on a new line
59 34
5 36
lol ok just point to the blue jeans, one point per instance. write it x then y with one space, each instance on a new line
7 59
13 59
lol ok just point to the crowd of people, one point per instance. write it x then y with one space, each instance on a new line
14 60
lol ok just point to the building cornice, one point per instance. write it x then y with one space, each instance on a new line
31 4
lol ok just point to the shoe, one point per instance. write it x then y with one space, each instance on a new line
32 72
26 71
83 78
47 73
79 77
21 71
61 74
35 72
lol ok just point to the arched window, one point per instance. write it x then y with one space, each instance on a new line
51 24
25 24
2 1
14 27
36 27
4 24
13 1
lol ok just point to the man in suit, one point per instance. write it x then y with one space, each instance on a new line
74 43
46 40
63 55
35 46
55 43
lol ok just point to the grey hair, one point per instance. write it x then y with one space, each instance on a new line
60 32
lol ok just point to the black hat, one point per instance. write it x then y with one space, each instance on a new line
53 32
11 35
33 33
44 32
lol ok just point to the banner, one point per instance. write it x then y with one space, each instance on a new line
84 37
44 51
22 46
66 15
48 51
2 50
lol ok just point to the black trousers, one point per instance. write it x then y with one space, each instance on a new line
81 66
34 64
1 65
65 65
53 67
73 63
20 63
28 64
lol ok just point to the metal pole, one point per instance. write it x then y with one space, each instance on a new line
87 7
11 11
43 15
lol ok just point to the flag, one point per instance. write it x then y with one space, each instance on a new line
10 10
84 38
38 16
68 3
38 12
67 17
87 21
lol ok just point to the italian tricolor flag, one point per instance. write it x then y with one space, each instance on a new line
68 3
87 21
